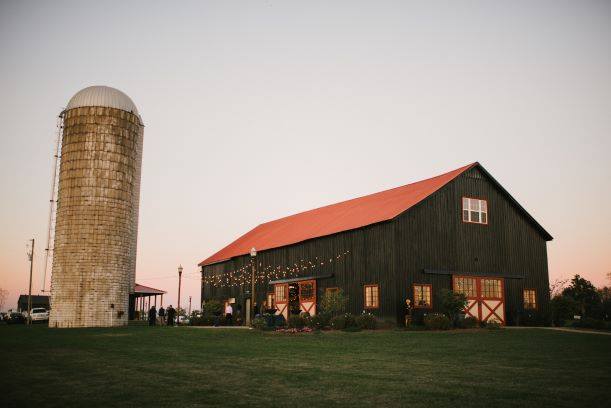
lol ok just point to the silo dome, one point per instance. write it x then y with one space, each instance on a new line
100 95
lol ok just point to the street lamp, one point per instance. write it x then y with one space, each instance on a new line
253 258
179 281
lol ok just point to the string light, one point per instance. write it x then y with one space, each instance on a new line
242 276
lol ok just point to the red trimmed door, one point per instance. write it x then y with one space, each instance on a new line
281 293
307 297
485 297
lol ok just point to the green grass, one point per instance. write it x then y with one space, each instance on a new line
186 367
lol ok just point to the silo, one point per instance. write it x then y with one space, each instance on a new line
96 227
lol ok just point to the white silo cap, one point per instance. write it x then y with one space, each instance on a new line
106 96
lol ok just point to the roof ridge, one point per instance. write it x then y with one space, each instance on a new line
337 217
466 167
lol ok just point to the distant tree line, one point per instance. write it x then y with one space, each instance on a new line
581 298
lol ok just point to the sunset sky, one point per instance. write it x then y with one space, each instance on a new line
259 109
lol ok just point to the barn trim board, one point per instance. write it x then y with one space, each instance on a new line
396 238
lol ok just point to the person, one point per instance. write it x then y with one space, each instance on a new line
228 313
171 315
408 312
152 316
162 315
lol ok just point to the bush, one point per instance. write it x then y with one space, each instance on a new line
452 303
492 325
563 309
212 308
468 322
534 318
259 323
436 321
589 323
342 321
366 321
296 322
318 322
334 302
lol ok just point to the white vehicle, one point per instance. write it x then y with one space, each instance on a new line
39 314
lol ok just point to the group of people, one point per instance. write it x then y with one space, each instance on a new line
170 314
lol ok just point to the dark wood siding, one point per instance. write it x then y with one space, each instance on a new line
432 235
370 260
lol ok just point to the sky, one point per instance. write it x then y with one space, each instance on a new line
256 110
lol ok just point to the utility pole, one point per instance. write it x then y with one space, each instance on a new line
189 305
179 280
253 258
31 258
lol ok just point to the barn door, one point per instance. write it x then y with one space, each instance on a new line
492 300
281 293
485 297
469 286
307 297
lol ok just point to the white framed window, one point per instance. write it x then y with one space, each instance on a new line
474 210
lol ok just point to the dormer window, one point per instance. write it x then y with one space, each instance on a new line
474 210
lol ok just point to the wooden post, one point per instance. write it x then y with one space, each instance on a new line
30 290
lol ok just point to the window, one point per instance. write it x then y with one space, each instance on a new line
491 288
372 296
466 286
306 291
270 300
332 290
474 210
422 295
530 299
280 292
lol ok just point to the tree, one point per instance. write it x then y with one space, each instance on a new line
563 309
334 302
585 296
452 303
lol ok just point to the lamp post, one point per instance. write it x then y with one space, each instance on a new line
179 281
253 258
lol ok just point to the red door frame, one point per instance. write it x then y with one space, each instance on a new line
480 299
308 305
283 305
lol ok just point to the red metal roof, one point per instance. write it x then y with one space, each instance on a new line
334 218
147 290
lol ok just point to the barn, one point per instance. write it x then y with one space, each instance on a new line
460 230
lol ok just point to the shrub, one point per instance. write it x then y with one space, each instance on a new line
366 321
493 325
296 322
334 302
468 322
437 321
259 323
589 323
343 321
352 329
212 308
338 322
563 309
534 318
452 303
318 322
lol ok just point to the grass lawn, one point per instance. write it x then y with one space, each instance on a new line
187 367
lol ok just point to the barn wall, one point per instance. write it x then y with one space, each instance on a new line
433 236
370 261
